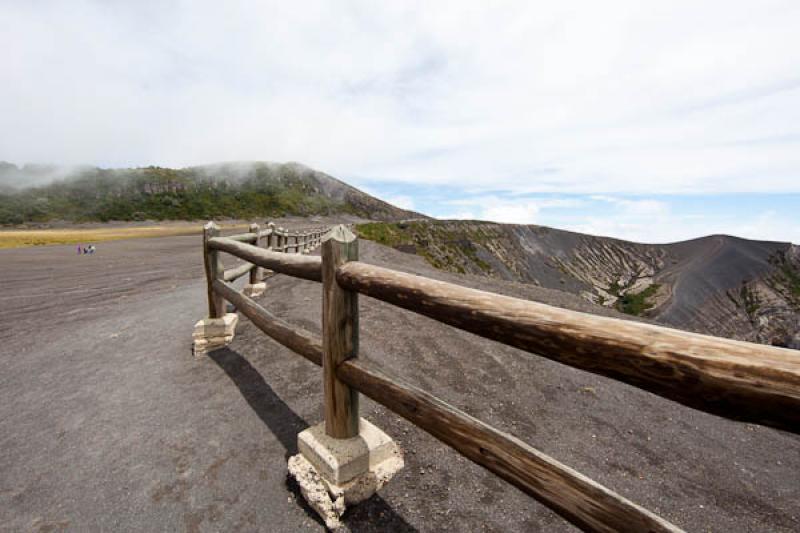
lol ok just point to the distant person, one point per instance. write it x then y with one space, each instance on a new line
79 249
91 248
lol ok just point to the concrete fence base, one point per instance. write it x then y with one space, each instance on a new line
213 333
337 473
254 289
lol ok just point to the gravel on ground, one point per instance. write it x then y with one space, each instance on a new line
107 422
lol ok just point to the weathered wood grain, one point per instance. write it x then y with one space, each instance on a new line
577 498
291 336
271 243
339 334
280 242
237 272
305 267
255 273
738 380
242 237
214 268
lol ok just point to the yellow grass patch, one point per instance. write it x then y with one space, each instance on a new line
22 238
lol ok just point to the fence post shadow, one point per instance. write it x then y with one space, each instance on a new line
373 514
284 423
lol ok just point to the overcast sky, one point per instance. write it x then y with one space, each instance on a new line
634 119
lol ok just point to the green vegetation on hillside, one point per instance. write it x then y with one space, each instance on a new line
154 193
749 299
448 246
636 303
387 234
786 278
790 276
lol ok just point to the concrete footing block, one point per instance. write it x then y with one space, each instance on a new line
336 473
213 333
254 289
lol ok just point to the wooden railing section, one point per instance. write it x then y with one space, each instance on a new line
244 245
737 380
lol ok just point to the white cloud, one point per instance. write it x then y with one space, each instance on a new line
663 225
458 215
507 210
402 201
640 219
674 228
635 207
512 213
618 97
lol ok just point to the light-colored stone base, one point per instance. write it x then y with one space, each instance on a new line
213 333
339 460
254 289
336 473
316 493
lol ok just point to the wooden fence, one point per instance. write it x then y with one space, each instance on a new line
734 379
272 239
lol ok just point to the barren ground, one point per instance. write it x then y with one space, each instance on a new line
107 423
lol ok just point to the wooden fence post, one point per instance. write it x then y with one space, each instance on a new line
272 240
339 334
281 242
256 272
214 270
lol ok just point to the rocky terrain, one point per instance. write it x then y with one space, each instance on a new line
720 285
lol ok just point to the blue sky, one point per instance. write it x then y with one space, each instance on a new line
651 218
641 120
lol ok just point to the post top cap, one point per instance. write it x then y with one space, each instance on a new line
340 233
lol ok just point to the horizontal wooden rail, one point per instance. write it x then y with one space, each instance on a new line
237 272
242 237
577 498
734 379
299 266
293 337
738 380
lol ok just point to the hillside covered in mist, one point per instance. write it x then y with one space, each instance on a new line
37 194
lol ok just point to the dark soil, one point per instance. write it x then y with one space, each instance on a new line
108 423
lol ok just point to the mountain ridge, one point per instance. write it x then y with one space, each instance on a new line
720 285
240 189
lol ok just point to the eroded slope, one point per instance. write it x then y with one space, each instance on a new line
720 285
